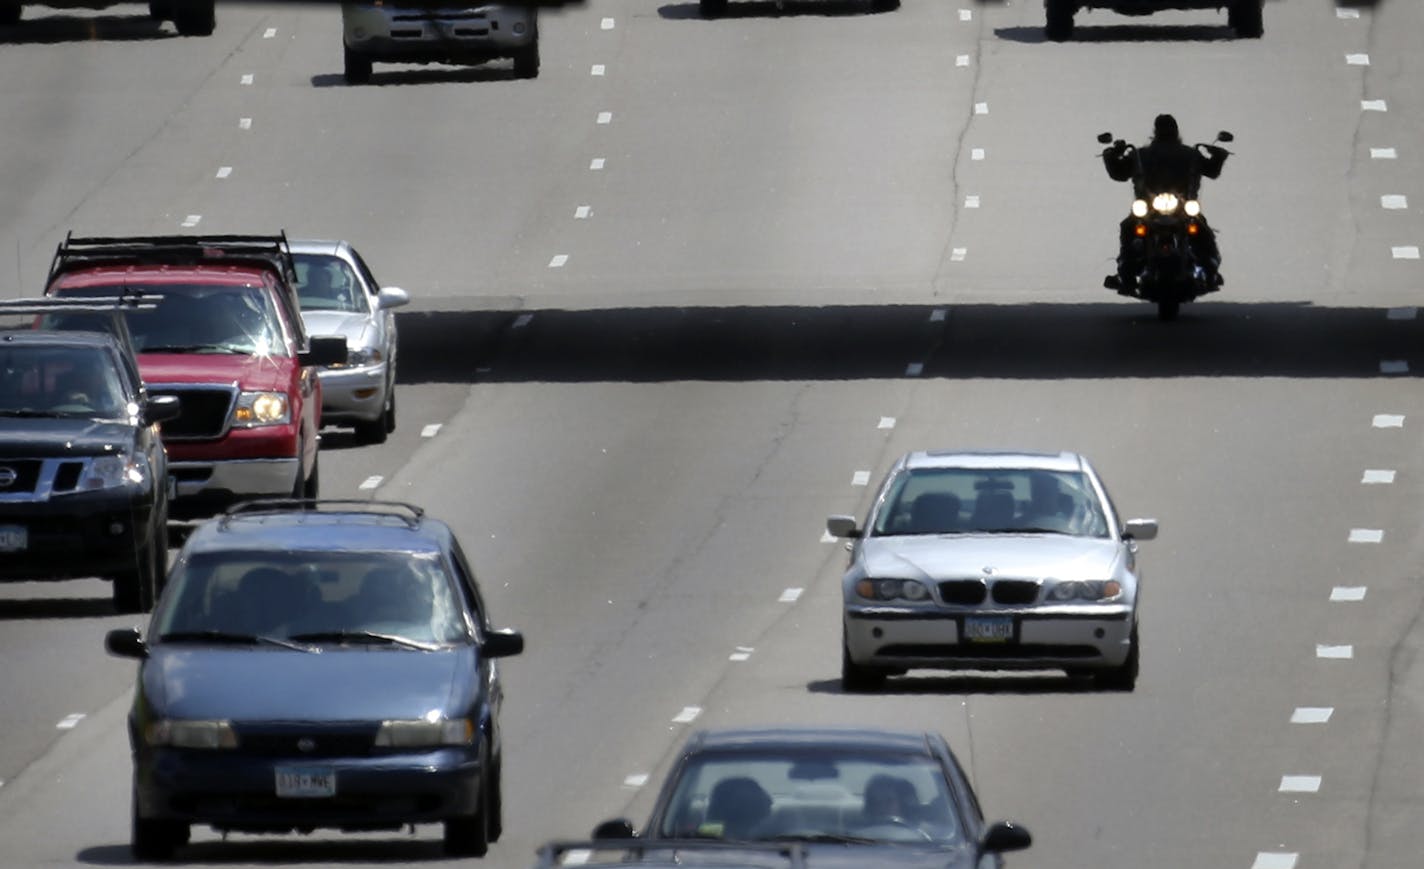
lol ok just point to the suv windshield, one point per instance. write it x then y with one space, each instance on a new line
201 318
337 596
59 381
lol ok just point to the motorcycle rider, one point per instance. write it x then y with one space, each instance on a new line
1165 165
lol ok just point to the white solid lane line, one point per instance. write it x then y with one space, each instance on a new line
1267 859
741 654
1348 593
1389 420
1339 653
1377 477
1300 784
791 595
687 715
371 482
1312 714
1366 535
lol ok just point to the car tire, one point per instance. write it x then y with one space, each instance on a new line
389 417
135 589
372 431
1246 17
312 487
856 679
160 10
10 11
712 8
469 835
526 62
884 5
357 68
1124 677
1058 19
194 17
155 840
495 812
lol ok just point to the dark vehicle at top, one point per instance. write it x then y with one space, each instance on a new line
317 664
718 8
1243 16
852 797
83 473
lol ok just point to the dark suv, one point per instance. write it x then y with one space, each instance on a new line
1243 16
227 338
317 664
83 474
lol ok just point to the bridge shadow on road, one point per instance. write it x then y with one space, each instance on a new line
1028 342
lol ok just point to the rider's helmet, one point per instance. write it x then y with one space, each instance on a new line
1164 129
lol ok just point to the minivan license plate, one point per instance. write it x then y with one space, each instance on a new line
14 538
306 782
978 629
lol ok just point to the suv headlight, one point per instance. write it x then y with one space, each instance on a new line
261 408
209 735
112 471
892 589
425 734
1092 590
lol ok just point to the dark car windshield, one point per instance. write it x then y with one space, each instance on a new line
842 796
403 600
60 381
202 318
990 501
328 283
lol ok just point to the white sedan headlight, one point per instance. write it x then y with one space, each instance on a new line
420 733
261 408
210 735
1165 203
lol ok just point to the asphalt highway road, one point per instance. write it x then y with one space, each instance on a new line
673 296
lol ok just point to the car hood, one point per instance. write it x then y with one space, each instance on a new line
252 372
275 684
354 327
836 856
60 436
949 556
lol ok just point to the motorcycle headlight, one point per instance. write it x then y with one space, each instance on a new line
892 589
209 735
1165 203
421 733
261 408
106 472
1139 208
1192 208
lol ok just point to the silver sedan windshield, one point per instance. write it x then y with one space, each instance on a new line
990 501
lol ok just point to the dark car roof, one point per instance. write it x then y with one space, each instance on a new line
374 526
850 738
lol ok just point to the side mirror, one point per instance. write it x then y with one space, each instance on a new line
618 828
161 408
125 643
1105 138
1004 836
842 526
503 643
1140 529
326 350
1225 136
392 297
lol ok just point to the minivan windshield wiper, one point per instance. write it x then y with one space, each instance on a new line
229 639
366 637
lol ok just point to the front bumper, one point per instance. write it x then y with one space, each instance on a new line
1042 638
233 791
206 487
353 394
97 533
454 35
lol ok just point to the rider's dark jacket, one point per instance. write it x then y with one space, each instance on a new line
1164 167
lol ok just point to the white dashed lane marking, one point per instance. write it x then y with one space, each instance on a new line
1312 714
981 108
521 321
962 60
860 478
1394 201
1374 106
1407 251
1339 653
1300 784
269 33
939 315
224 171
1383 154
1348 593
580 856
958 254
966 15
827 537
558 261
607 24
887 422
596 163
1377 477
1402 313
687 715
1394 366
1389 420
1357 59
1366 535
431 430
596 69
971 201
636 780
1346 13
976 154
70 721
605 117
914 369
247 78
372 482
192 220
244 123
582 212
791 595
1264 859
741 654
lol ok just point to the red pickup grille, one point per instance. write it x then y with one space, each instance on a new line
204 411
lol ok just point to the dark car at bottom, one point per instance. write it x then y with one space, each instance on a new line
850 797
316 664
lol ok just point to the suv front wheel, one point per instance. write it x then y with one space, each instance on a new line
194 17
1246 18
1058 18
358 68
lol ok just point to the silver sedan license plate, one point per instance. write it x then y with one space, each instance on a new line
988 629
14 538
306 782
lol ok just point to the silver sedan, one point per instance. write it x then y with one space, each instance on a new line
991 560
339 296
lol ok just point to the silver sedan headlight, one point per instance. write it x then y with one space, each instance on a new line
1089 590
892 589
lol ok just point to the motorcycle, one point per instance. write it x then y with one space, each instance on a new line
1165 228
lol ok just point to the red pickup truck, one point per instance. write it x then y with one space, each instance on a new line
226 338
